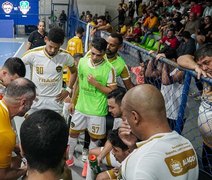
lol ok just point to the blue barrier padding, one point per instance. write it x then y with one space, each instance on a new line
6 28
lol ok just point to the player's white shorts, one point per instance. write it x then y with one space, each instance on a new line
42 102
110 160
96 125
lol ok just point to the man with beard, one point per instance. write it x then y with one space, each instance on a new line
103 153
47 64
17 100
114 44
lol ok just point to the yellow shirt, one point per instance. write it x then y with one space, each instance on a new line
7 137
75 46
123 29
151 22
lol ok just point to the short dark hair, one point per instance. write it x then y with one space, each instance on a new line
44 137
205 50
115 140
103 18
20 87
186 34
56 35
118 36
80 30
15 66
117 94
99 43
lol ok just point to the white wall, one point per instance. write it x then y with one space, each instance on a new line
109 5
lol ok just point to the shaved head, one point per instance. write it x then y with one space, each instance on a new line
144 108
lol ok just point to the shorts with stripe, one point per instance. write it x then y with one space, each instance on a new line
96 125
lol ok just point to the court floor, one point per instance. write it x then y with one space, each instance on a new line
9 49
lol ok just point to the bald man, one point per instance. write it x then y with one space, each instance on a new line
162 153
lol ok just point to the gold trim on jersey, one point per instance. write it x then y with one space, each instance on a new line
73 131
96 136
111 174
96 64
40 48
108 160
139 144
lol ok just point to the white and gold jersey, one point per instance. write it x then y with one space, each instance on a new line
47 71
162 156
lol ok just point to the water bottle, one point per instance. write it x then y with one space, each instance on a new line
94 164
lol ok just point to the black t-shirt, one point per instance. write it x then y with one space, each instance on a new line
36 39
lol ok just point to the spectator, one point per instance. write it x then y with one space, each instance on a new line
131 10
17 100
102 25
44 138
171 89
208 9
205 31
187 46
202 64
82 16
196 8
12 69
107 17
88 19
158 149
170 43
47 64
122 9
135 34
63 19
96 79
36 38
150 25
192 25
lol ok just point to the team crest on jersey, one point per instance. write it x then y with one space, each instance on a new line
59 68
72 125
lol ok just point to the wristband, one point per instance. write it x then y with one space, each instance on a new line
69 90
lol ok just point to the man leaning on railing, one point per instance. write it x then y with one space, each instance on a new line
202 64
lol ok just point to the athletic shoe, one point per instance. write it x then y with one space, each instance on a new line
70 162
84 170
84 155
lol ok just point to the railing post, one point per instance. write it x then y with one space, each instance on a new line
180 122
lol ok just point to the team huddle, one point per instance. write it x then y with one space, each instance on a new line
141 144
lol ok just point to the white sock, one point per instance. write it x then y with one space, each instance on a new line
72 145
90 175
94 144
